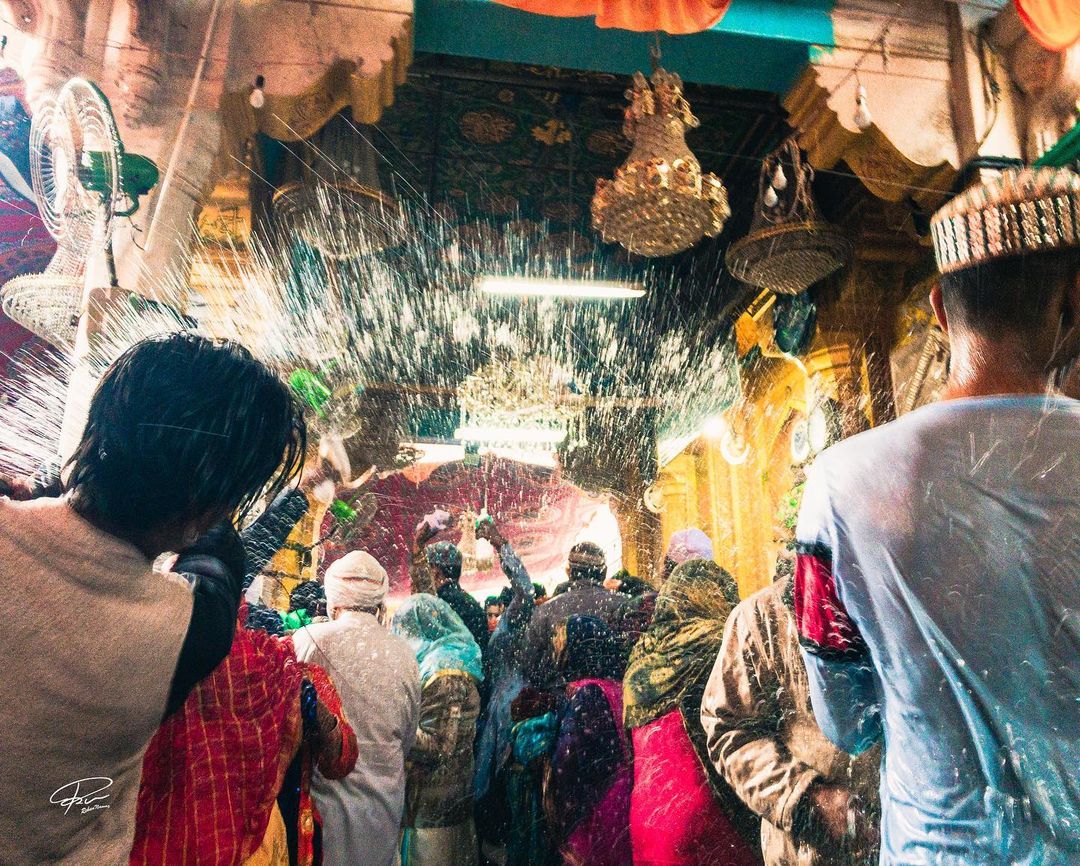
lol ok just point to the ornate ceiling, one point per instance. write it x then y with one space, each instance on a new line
499 149
491 142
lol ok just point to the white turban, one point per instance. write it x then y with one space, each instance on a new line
687 544
355 581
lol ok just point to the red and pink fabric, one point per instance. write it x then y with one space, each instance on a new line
825 627
1055 24
539 512
643 16
214 768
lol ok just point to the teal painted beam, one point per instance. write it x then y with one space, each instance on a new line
758 45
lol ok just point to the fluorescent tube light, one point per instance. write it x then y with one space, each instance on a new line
532 436
553 288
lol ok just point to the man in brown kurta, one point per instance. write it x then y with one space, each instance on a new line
817 803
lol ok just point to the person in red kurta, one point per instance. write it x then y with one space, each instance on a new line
214 768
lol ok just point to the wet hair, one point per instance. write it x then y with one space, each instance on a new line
1007 296
180 427
309 596
492 601
539 590
263 618
445 558
586 562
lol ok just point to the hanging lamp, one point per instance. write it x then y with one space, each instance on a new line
789 247
659 201
331 196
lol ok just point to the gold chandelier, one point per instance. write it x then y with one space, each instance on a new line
659 201
525 402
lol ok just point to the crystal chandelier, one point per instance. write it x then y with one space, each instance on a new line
659 202
521 403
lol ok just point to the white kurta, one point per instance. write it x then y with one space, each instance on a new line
379 683
951 540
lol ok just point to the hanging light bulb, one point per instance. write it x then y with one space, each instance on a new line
770 198
779 179
863 118
258 98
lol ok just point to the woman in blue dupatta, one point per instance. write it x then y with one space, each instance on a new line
438 823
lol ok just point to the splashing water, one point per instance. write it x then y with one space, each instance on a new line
393 330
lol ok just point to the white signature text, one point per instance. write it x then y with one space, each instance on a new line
84 793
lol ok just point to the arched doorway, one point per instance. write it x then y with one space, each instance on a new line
541 513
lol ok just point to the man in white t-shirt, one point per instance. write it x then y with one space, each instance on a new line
938 576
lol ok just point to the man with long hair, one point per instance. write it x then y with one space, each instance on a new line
183 435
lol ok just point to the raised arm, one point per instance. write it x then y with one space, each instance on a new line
519 612
421 575
266 536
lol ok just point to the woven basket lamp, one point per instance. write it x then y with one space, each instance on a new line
330 194
789 247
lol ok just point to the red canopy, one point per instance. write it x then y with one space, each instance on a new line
671 16
1055 24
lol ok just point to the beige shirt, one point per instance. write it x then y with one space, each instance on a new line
89 649
761 733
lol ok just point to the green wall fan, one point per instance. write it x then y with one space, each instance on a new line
83 179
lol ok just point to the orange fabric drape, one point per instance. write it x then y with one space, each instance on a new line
643 16
1055 24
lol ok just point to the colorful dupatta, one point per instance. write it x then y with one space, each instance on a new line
591 780
212 771
438 637
679 649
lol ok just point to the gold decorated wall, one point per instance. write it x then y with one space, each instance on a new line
748 509
739 506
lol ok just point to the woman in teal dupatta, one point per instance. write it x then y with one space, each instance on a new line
438 825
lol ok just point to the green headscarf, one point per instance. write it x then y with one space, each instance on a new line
678 651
